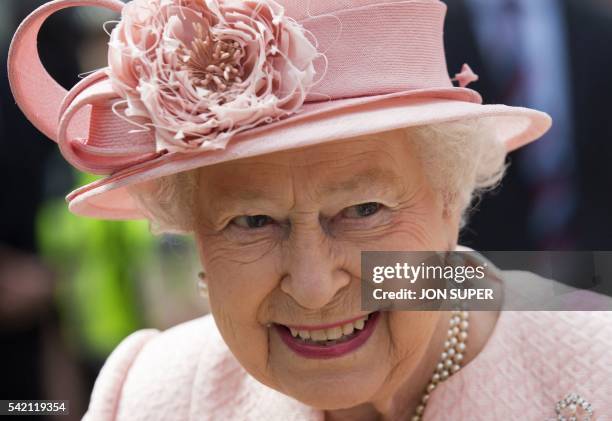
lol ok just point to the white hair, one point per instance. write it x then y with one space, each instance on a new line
461 159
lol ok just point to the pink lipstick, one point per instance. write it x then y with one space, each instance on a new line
323 348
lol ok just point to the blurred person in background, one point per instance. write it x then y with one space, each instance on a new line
34 363
66 300
553 55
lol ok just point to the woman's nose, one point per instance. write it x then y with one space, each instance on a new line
314 274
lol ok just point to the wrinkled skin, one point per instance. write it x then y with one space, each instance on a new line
300 265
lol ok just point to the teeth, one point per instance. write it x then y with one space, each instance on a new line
318 335
348 328
332 333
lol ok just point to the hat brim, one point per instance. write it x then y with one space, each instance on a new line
318 123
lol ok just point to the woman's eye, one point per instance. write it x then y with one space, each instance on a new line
362 210
252 221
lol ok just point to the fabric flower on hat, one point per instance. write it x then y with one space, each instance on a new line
200 71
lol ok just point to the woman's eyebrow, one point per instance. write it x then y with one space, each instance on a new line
242 194
373 177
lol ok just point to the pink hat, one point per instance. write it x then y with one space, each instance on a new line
191 83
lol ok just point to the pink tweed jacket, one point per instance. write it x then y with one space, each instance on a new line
531 361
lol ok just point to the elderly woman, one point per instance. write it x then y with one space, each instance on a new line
288 138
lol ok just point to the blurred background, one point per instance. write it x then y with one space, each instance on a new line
72 288
552 55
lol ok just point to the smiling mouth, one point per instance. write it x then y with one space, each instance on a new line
331 341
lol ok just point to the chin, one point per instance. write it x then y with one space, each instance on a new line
333 386
332 393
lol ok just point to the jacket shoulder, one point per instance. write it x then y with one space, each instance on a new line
151 372
107 388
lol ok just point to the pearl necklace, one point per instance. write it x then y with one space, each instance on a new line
450 359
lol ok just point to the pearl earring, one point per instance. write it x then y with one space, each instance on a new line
202 285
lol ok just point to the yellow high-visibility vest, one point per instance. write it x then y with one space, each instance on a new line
95 262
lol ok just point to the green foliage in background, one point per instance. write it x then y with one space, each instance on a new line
97 264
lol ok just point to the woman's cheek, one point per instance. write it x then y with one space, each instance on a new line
237 291
238 282
415 234
420 227
241 280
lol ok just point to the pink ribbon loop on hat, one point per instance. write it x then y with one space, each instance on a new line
81 120
108 142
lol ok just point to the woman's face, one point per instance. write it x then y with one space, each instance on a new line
280 238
